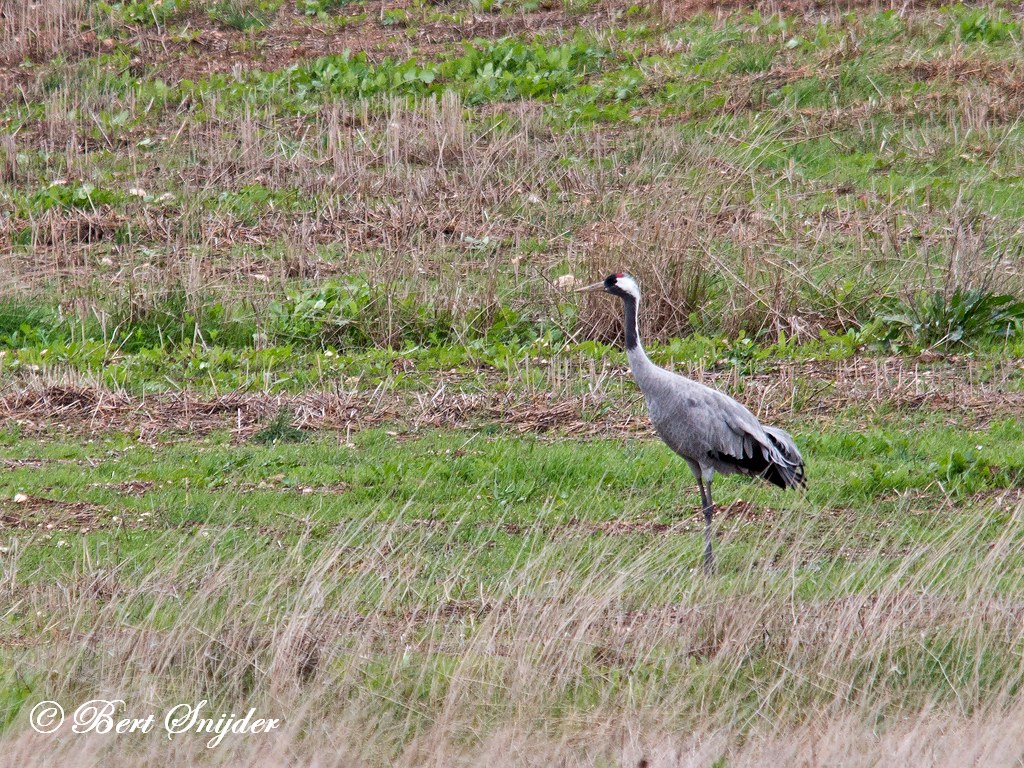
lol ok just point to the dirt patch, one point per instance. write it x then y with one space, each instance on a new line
972 393
621 527
36 32
675 10
214 48
61 409
36 463
274 484
210 47
745 512
591 527
35 513
958 68
990 91
134 488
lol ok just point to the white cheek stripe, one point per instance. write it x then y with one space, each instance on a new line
628 284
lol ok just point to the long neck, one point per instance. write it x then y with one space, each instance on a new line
632 340
639 363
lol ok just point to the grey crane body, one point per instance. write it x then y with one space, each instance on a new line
710 429
707 428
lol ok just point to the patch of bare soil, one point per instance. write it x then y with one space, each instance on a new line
959 68
33 463
212 47
674 10
745 512
996 92
579 527
971 394
43 410
35 33
197 46
35 513
128 487
274 483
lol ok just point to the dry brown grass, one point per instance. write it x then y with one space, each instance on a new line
635 661
37 30
427 203
570 396
442 210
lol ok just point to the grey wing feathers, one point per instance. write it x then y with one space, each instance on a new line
710 428
758 450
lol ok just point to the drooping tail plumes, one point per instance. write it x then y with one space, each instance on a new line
791 468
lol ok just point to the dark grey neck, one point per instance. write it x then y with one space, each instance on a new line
632 342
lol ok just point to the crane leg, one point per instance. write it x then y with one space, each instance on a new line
709 513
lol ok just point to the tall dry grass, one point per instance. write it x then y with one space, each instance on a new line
441 211
34 29
820 647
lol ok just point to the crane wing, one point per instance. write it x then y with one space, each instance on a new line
709 428
745 446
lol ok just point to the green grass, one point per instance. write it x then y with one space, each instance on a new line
478 485
488 530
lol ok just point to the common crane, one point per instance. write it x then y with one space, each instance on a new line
710 430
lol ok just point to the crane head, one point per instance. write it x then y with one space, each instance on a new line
619 284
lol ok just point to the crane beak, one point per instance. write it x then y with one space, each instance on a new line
588 288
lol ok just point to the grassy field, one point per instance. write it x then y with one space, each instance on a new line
299 413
